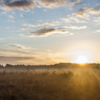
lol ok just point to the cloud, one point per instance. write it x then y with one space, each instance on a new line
41 58
21 15
11 21
3 13
66 20
18 46
12 59
85 12
91 10
22 57
76 27
55 23
22 4
72 19
82 15
26 4
97 31
25 29
97 19
49 58
13 51
52 3
58 3
75 3
46 31
10 16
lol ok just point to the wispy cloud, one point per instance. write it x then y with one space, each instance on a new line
75 2
97 31
11 20
18 46
97 19
10 16
21 15
52 3
25 29
54 23
73 19
13 60
22 57
13 51
75 27
46 31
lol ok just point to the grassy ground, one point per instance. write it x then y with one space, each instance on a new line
50 86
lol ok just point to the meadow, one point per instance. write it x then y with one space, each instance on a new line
50 85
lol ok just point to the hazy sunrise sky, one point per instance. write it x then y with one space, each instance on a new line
49 31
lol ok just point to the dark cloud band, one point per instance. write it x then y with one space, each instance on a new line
22 4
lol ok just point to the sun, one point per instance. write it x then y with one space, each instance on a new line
82 59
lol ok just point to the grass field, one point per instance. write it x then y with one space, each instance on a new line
50 86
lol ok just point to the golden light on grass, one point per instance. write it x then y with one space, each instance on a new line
82 59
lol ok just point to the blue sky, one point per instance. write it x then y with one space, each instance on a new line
49 31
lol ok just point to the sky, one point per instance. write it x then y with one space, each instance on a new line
49 31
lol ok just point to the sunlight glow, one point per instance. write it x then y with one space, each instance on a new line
82 59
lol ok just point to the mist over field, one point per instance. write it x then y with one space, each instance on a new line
63 81
54 67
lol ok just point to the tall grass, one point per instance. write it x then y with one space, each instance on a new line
50 85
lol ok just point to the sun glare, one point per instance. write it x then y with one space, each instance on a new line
82 59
